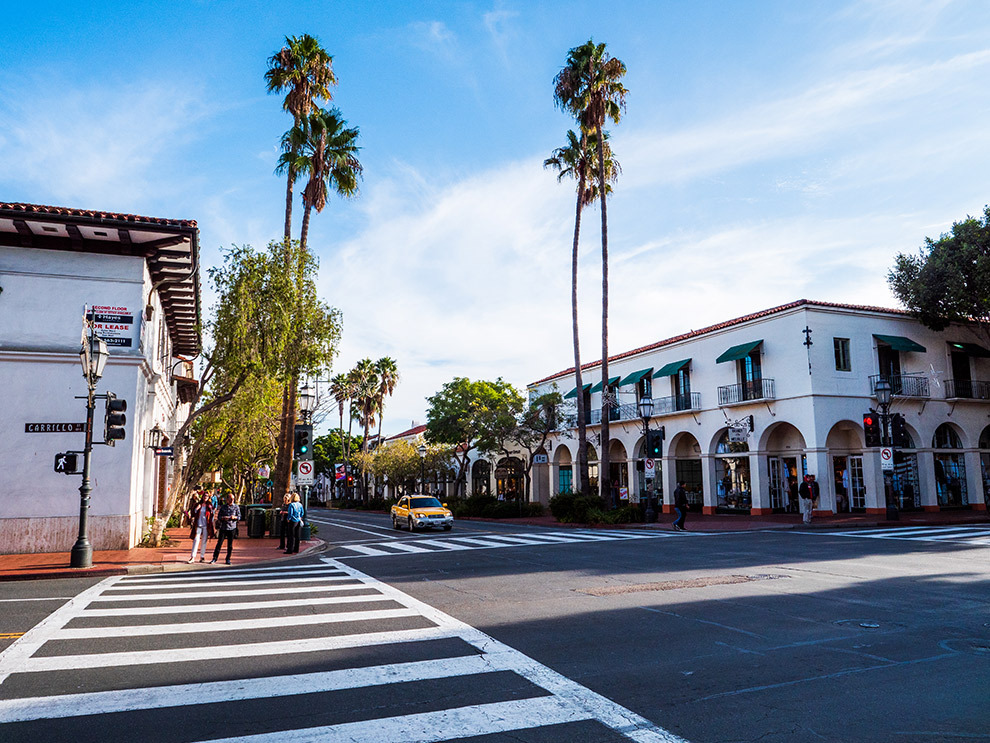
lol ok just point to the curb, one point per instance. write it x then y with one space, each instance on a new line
149 568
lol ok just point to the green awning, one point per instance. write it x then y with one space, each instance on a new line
738 352
611 383
671 369
635 377
573 392
900 343
972 349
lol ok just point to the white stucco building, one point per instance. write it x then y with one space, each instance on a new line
139 276
807 404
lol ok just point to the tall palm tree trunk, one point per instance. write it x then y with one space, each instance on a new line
604 477
304 232
288 203
283 471
582 413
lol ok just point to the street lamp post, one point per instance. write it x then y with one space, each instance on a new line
646 412
421 450
883 391
307 404
93 357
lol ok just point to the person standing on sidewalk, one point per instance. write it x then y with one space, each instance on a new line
202 526
808 493
680 506
294 517
227 518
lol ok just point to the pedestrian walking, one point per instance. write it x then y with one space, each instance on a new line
202 528
808 493
283 520
187 513
680 506
227 517
294 516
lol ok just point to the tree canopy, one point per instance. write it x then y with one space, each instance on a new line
949 279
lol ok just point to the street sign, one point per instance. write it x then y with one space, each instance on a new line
164 451
650 469
738 435
54 428
887 459
305 476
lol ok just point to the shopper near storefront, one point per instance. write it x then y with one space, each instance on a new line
680 506
295 517
227 518
202 526
808 493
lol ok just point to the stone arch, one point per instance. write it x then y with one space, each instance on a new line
782 436
985 438
684 444
481 472
949 436
592 453
845 435
562 455
720 444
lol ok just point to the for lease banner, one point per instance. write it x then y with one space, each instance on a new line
116 325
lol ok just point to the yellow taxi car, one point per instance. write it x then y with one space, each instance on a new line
421 512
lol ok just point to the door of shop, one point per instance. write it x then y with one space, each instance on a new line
850 487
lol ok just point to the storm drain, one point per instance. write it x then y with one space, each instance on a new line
672 585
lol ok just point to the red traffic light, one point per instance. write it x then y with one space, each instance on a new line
867 421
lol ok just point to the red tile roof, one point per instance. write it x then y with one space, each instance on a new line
63 211
723 326
406 434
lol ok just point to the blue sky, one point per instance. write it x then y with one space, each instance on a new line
770 151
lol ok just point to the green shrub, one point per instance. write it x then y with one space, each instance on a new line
571 508
489 507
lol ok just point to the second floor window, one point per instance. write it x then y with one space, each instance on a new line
842 360
749 367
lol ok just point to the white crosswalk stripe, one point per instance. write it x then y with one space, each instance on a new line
394 547
976 535
74 638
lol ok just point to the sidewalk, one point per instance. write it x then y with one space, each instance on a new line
148 559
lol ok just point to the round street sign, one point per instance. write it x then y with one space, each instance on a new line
886 458
650 469
305 472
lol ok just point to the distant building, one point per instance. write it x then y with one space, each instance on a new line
806 405
140 277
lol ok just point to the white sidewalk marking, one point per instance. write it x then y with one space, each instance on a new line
240 592
129 700
407 547
972 535
14 657
214 573
431 727
368 551
131 611
228 625
257 649
280 580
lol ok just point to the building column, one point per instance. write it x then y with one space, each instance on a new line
819 466
668 472
926 481
876 498
710 499
759 484
974 481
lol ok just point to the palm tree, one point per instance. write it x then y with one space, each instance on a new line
340 389
329 157
577 160
388 378
304 71
364 377
590 88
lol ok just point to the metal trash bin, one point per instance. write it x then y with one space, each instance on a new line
256 522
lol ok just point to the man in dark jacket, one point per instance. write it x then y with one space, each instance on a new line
680 506
227 518
808 493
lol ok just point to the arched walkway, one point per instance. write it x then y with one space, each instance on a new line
686 453
787 463
845 444
950 466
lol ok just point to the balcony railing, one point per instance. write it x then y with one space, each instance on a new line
677 403
619 413
965 388
905 385
757 389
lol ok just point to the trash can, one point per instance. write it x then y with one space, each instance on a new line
256 522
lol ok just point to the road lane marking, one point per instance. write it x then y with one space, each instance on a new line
407 547
130 611
10 635
215 574
229 625
239 592
280 580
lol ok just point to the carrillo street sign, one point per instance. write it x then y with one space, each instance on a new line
54 428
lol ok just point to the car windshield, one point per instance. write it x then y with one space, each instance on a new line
426 503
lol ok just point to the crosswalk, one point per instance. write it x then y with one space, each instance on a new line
488 540
315 652
974 535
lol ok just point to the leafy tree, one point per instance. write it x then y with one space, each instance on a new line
949 280
333 448
589 87
578 160
469 415
538 421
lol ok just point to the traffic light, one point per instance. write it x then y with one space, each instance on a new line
898 432
113 424
654 444
303 448
871 425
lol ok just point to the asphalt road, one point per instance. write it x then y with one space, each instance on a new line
496 632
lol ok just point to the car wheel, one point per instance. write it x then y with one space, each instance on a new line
395 522
410 523
448 527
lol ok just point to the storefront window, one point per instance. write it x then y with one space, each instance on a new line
732 477
688 471
950 468
565 479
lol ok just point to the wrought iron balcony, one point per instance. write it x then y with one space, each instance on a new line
677 403
618 413
758 389
904 385
967 389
